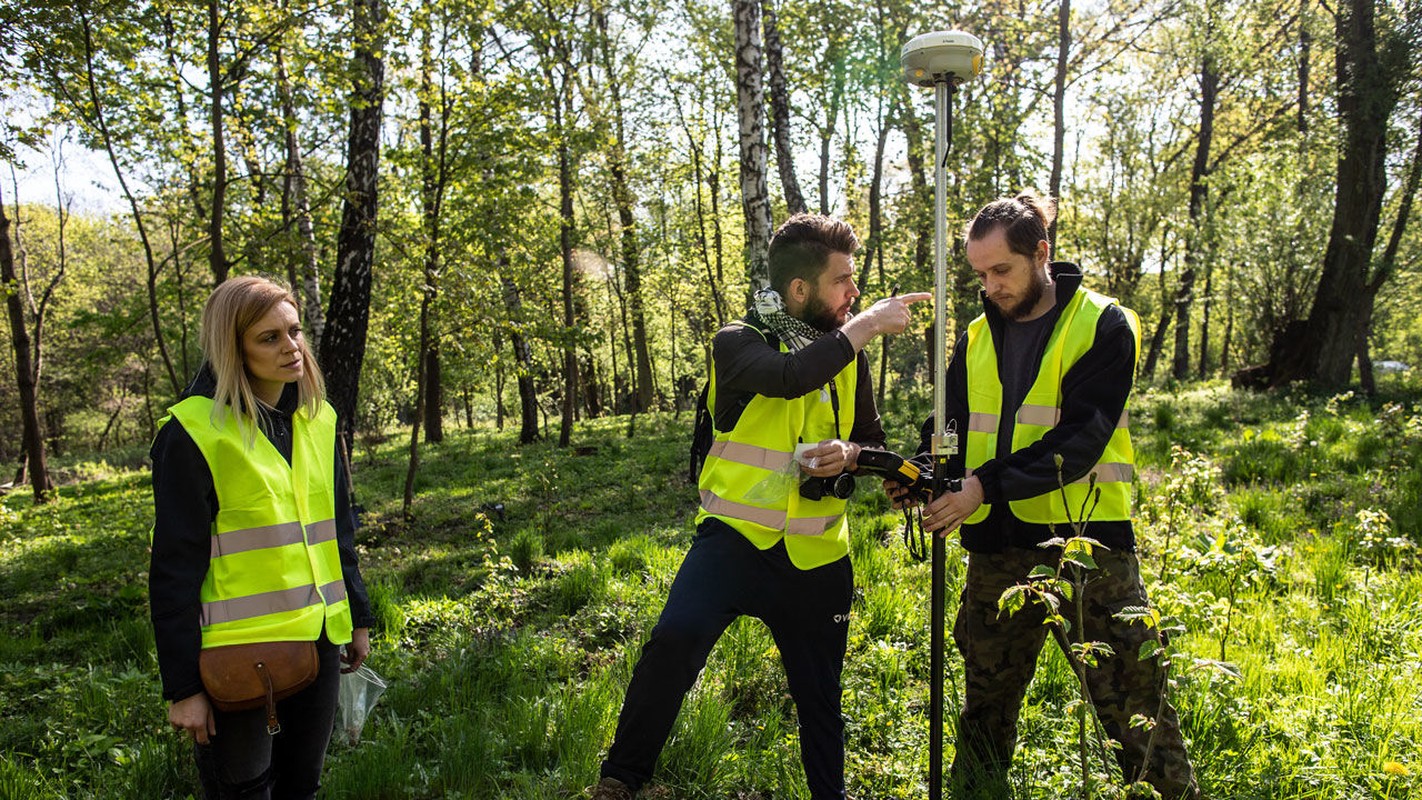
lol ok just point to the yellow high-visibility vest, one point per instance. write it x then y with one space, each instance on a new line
274 572
749 480
1071 338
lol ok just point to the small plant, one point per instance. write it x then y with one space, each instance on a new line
1375 539
1161 647
1192 486
1335 404
1234 558
526 549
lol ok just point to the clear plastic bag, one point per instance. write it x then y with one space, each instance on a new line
776 486
360 691
781 483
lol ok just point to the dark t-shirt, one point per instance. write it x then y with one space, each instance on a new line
1022 344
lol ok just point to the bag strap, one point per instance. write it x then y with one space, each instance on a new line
273 725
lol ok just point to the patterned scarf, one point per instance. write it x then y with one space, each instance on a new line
768 310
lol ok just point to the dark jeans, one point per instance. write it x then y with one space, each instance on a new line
243 762
723 577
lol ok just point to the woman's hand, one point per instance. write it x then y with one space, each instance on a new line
194 715
356 650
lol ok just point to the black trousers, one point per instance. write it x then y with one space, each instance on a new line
723 577
244 762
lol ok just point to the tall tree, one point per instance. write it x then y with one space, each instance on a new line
310 273
216 82
626 201
557 53
25 375
434 105
750 102
1196 246
343 344
1054 186
1370 69
780 110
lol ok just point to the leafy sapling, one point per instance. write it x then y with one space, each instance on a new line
1049 587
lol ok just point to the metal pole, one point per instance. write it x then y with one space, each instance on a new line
943 100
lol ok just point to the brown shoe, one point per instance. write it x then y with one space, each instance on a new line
610 789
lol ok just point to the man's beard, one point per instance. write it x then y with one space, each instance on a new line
1029 300
818 315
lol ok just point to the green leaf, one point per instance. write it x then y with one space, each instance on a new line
1012 600
1223 668
1143 614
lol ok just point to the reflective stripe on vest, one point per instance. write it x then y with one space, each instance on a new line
1072 336
750 455
750 480
274 569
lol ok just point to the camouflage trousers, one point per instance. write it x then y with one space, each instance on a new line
1000 657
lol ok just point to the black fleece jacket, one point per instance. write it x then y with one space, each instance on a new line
1094 393
185 505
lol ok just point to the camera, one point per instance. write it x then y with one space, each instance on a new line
840 486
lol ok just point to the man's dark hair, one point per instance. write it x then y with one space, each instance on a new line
1024 220
801 248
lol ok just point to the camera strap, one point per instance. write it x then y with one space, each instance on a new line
834 406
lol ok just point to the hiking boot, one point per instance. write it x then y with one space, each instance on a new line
610 789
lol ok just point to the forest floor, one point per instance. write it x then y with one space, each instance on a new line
1281 531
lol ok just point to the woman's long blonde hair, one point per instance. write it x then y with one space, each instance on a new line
234 306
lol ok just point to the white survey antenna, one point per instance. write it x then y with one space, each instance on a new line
955 54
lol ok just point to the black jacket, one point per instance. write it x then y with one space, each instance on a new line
1094 393
185 505
749 363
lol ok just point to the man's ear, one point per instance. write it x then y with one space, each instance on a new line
1044 252
799 290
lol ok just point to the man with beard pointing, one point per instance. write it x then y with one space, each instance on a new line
791 401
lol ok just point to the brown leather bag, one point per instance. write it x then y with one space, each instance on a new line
240 677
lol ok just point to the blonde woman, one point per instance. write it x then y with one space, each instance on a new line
254 542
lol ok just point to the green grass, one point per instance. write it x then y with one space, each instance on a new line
508 638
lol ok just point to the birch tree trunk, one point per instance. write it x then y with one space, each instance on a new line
750 100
